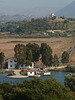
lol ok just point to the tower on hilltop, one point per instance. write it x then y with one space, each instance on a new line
52 15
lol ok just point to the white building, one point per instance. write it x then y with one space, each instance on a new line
47 73
12 64
31 72
31 66
52 15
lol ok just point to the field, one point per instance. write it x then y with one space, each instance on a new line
58 45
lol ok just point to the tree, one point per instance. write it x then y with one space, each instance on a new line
35 51
56 61
70 81
20 53
54 17
46 53
65 57
1 59
29 57
36 89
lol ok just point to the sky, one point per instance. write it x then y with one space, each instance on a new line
18 5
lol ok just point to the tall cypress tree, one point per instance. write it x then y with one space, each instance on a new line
35 51
56 61
20 53
46 53
65 57
1 59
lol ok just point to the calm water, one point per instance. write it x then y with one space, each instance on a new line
59 76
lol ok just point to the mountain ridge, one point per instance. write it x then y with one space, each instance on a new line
67 11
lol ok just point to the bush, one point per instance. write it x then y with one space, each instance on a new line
23 72
1 98
70 68
70 81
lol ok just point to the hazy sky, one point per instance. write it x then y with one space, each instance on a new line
34 3
23 6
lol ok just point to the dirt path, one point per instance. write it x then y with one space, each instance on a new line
18 75
17 72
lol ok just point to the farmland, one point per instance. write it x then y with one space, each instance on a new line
58 45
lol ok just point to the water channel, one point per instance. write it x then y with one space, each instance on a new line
59 76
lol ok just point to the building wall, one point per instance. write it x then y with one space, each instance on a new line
47 73
31 66
22 66
11 63
30 73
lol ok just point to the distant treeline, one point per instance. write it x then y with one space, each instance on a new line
34 26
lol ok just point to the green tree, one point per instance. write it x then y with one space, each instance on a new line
65 57
37 89
70 68
1 98
20 53
46 53
54 17
35 51
70 81
56 61
29 57
1 59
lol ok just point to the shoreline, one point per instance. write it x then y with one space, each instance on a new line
17 76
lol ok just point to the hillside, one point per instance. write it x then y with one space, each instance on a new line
18 17
72 57
58 45
67 11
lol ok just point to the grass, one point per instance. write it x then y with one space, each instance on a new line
60 69
5 72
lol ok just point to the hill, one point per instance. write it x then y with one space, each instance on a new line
25 14
18 17
67 11
58 45
72 56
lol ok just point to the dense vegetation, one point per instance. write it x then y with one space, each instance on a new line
32 52
46 53
26 54
35 89
40 25
1 59
70 81
70 68
65 57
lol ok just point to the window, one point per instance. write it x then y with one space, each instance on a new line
21 65
30 72
10 65
11 61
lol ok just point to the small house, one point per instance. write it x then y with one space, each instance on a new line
12 63
31 72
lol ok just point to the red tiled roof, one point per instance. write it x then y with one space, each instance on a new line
42 67
31 71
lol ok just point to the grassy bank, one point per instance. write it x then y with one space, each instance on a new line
5 72
69 68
